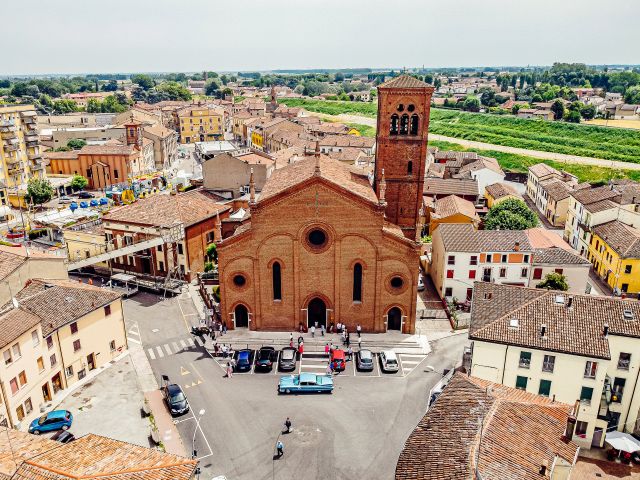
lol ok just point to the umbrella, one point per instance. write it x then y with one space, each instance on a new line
622 441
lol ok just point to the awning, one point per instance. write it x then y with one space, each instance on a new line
622 441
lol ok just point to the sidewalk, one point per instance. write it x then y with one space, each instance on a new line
169 435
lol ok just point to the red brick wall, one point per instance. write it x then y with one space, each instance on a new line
278 233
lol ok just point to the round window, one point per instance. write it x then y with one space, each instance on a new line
317 237
239 280
396 282
401 108
411 108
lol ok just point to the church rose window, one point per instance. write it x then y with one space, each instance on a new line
317 238
397 282
239 280
401 108
411 108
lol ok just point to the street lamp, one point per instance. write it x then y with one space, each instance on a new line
193 443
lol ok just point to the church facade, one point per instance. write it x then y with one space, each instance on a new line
319 248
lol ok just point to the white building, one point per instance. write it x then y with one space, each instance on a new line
486 171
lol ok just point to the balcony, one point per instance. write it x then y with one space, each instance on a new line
26 115
584 227
31 137
34 156
36 166
10 147
7 134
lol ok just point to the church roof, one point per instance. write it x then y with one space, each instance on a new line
331 170
404 81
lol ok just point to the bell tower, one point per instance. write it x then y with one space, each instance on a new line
404 103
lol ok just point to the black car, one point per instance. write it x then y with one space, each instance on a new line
63 436
265 358
243 361
287 361
85 195
175 398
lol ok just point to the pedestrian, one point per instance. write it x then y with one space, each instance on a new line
225 350
291 338
313 331
301 328
280 448
224 327
330 369
358 330
220 328
339 328
216 349
301 348
291 343
322 329
349 353
347 340
359 343
326 349
344 337
332 327
287 424
233 363
229 370
231 352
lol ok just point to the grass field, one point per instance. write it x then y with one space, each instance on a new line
582 140
520 163
633 124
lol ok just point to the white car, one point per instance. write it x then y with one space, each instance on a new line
389 361
420 282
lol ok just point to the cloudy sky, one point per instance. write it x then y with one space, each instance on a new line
85 36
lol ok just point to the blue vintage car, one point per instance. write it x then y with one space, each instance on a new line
306 382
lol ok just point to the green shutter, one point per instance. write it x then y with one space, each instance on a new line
545 388
521 382
586 394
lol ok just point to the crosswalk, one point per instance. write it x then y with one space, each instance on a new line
173 347
410 362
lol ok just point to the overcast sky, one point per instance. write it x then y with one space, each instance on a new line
87 36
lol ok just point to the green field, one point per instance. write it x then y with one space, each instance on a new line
520 163
583 140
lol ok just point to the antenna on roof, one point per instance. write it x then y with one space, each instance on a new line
317 155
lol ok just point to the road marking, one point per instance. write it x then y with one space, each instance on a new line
354 366
184 371
175 347
193 367
134 331
186 324
151 354
190 342
167 349
160 354
129 339
184 345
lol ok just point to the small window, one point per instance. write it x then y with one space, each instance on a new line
526 259
7 357
581 428
472 274
627 269
489 259
53 360
590 369
16 351
277 281
69 371
76 345
74 327
549 363
357 282
404 124
401 107
317 238
49 342
448 292
521 382
394 124
112 345
503 272
115 173
40 362
525 360
449 273
545 388
180 250
559 271
159 248
410 168
22 378
20 413
503 258
28 406
14 385
415 124
451 260
524 272
586 394
537 273
35 338
624 360
397 282
618 389
239 280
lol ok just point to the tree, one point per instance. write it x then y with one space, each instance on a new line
111 86
510 214
145 81
632 95
488 97
174 91
558 109
588 112
572 116
212 89
471 104
76 143
212 252
65 106
78 182
39 191
554 281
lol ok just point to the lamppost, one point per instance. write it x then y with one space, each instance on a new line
193 443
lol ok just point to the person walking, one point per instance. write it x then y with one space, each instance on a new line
224 327
347 340
330 369
349 353
291 338
326 349
322 329
229 370
358 329
220 328
359 343
313 331
280 448
301 348
287 425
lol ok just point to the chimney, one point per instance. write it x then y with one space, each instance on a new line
569 302
543 330
516 247
571 424
605 330
543 469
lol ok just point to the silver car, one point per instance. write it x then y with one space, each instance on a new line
364 360
389 361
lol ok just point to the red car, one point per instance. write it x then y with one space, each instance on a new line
338 360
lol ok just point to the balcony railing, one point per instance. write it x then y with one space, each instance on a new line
8 147
524 363
548 367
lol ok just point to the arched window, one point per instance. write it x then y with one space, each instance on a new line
393 130
410 168
277 281
404 124
357 282
415 121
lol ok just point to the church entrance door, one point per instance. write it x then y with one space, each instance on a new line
241 316
316 312
394 319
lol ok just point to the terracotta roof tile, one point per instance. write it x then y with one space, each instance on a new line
482 162
14 322
452 205
16 447
558 256
556 189
542 170
462 237
9 262
450 186
108 149
622 238
500 190
404 81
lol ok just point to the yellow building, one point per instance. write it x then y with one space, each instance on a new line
20 157
499 192
200 123
614 251
85 240
452 209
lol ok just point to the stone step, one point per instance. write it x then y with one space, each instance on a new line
311 346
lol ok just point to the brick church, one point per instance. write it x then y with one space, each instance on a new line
325 245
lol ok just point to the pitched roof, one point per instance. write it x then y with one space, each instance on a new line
481 163
451 205
500 190
53 155
540 237
558 256
346 140
450 186
621 238
542 170
574 323
462 237
331 170
59 302
15 322
164 210
591 195
108 149
17 446
404 81
600 206
477 426
556 189
9 262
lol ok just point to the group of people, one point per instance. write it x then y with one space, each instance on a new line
279 444
223 350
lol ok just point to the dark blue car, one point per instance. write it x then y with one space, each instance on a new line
56 420
243 362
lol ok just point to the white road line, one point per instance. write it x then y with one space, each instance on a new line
412 362
184 345
160 354
190 342
167 349
134 332
175 347
129 339
151 354
354 365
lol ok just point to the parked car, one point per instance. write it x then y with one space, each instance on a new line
55 420
175 398
85 195
420 282
65 199
389 361
287 361
364 360
265 358
243 361
63 436
338 360
306 382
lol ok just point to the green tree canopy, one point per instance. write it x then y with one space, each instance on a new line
510 214
212 252
39 191
471 104
554 281
632 95
558 109
145 81
76 143
78 182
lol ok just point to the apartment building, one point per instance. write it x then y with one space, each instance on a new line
620 200
229 175
20 157
200 123
452 209
614 251
537 173
485 171
52 334
574 349
499 192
